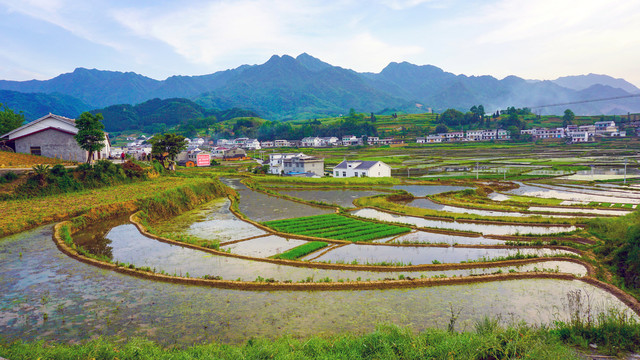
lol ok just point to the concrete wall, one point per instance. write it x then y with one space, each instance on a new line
316 167
53 144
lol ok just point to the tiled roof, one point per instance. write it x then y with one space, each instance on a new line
363 165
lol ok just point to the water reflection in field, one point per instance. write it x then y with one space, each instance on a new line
423 255
434 238
485 229
424 190
212 221
82 301
339 197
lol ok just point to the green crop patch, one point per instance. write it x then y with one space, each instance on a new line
300 251
333 226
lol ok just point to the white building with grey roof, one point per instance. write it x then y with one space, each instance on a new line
358 168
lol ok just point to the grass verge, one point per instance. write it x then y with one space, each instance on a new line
488 340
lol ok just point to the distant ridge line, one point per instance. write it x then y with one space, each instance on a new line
585 101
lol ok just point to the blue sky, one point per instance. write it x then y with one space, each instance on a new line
541 39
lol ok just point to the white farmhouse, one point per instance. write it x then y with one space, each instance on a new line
52 136
358 168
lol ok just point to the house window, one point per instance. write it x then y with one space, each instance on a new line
35 150
344 174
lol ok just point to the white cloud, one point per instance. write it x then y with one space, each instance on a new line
364 52
408 4
80 19
206 32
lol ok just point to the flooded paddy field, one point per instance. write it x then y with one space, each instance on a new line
125 244
424 190
263 246
607 212
364 254
578 195
49 296
485 229
341 197
212 221
428 204
435 238
261 207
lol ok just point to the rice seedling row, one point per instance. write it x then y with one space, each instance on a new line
333 226
300 251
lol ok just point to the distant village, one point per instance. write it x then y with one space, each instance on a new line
52 136
201 151
571 133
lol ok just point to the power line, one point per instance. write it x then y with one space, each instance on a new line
585 101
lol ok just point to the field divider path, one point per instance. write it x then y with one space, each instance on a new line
549 187
522 211
378 268
322 252
245 239
469 221
439 231
335 286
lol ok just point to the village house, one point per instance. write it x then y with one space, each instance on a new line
194 157
252 144
357 168
330 141
235 154
225 142
311 141
298 165
276 162
281 143
218 152
52 136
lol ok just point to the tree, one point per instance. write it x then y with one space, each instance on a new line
167 146
452 117
568 117
442 128
90 136
9 120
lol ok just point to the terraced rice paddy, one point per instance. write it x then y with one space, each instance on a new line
82 301
213 221
340 197
485 229
363 254
336 227
580 196
126 245
264 246
423 237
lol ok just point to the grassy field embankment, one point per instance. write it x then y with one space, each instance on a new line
23 214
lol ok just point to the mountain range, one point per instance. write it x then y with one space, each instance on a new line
305 87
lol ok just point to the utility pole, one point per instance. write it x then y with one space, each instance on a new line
477 174
625 171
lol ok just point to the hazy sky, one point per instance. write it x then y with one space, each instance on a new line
533 39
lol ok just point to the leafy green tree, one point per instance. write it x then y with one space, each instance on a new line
568 118
452 117
9 120
442 128
167 146
90 136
